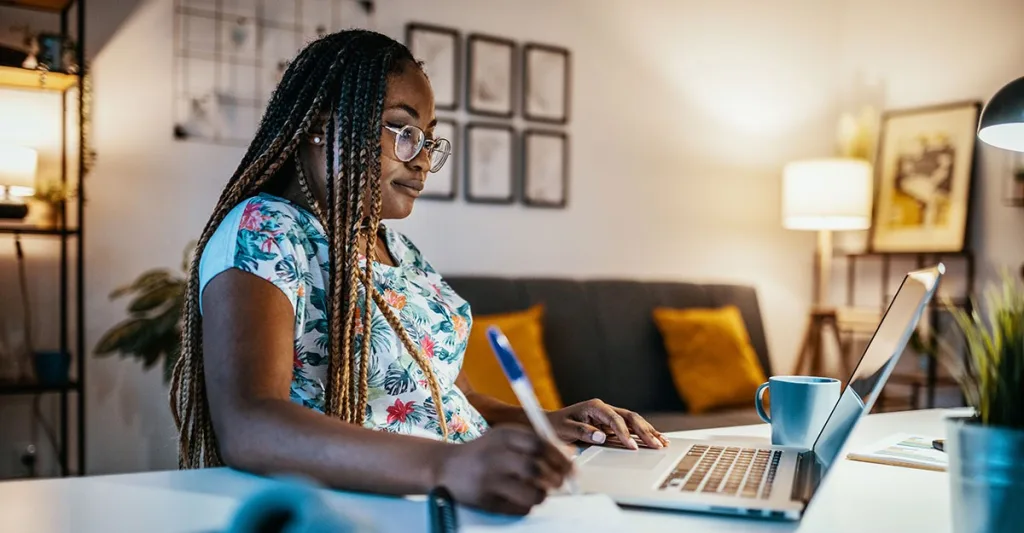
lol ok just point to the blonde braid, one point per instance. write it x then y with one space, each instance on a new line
191 391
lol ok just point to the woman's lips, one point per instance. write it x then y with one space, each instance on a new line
412 188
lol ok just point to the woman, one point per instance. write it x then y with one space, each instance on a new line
296 270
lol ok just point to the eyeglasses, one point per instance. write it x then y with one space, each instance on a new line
410 140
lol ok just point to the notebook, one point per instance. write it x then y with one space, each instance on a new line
903 449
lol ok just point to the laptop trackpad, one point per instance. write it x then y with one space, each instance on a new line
631 460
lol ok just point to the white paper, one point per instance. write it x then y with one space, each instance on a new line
590 513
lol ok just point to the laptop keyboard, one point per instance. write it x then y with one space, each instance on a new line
729 471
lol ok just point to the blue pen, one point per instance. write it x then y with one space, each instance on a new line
524 391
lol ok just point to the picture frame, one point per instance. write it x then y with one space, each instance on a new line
545 164
490 80
490 175
545 96
443 185
439 49
924 176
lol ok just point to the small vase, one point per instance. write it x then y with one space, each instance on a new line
986 476
52 368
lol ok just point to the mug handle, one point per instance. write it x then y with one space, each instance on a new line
758 399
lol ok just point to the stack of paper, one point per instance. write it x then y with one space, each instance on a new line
911 451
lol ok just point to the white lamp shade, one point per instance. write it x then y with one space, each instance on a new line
827 194
1005 136
18 169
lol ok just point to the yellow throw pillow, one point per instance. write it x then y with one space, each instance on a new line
710 356
526 335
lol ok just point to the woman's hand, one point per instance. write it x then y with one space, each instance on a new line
591 420
508 470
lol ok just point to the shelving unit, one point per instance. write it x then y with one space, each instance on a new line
930 380
68 232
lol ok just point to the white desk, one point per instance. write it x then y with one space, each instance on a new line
856 497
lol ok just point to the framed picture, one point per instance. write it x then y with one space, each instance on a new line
442 185
438 48
545 168
545 92
489 85
924 171
490 172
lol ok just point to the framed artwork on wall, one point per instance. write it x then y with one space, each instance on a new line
924 171
545 168
438 48
442 185
490 166
489 85
545 94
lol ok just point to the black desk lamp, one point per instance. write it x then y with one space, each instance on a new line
1002 119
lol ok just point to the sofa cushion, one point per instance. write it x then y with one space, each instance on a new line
713 343
525 333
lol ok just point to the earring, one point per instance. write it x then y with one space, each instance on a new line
318 139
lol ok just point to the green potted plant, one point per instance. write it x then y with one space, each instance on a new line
152 331
986 448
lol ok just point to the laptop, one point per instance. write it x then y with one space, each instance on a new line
738 478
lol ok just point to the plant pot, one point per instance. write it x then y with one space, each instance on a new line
986 476
52 368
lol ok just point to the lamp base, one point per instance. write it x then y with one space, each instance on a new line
13 210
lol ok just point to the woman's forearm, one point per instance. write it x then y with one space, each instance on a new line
275 436
496 411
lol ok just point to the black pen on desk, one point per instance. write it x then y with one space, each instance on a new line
939 444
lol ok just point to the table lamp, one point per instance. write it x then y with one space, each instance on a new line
1002 120
825 195
17 178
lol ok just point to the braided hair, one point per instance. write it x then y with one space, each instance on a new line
346 74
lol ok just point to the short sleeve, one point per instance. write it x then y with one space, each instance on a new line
255 237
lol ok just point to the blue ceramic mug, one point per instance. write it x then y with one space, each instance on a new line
800 405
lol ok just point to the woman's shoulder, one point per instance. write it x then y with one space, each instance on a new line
264 235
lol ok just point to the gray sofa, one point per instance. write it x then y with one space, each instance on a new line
602 341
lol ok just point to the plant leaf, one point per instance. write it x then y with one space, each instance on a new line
157 296
145 280
121 337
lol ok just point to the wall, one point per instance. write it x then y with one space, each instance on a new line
683 114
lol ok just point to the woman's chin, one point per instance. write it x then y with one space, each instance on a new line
398 210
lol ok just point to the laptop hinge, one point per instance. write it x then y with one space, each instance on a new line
808 473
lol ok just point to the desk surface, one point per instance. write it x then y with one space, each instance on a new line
855 497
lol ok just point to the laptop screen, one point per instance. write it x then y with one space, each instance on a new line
880 356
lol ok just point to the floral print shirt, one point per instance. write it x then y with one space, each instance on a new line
284 244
